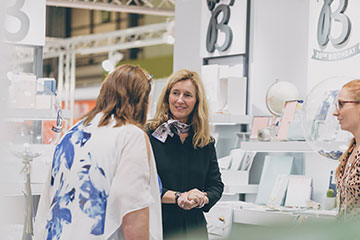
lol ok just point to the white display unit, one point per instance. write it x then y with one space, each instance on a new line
29 160
229 119
35 114
243 213
14 184
248 191
306 162
258 215
285 146
241 189
225 123
295 148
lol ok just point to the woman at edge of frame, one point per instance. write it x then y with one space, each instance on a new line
347 112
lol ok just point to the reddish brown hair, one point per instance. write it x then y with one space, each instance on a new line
124 94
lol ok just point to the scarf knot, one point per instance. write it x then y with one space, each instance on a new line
169 128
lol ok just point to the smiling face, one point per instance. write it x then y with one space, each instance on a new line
182 100
349 113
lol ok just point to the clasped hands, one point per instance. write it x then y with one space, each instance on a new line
191 199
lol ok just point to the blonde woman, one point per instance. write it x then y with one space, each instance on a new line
185 156
103 180
348 172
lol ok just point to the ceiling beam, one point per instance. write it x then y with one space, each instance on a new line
111 7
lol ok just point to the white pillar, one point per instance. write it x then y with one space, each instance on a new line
187 35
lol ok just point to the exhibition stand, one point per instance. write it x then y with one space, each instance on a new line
272 165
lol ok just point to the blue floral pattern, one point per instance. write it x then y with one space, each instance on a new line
60 214
66 148
92 199
90 196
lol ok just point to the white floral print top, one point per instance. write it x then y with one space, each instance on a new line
98 175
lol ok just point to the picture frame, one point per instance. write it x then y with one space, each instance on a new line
247 160
288 115
259 122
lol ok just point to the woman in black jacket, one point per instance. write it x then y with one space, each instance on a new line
185 156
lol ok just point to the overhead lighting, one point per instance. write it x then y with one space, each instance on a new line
107 65
170 39
170 33
110 63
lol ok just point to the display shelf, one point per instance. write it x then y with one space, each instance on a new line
290 146
261 215
229 119
35 114
256 216
248 189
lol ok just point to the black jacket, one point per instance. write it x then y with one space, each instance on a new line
182 168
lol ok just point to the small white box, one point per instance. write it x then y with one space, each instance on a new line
44 101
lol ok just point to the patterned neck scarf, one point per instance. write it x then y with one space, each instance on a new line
169 128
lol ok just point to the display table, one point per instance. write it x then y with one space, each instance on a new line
222 216
245 213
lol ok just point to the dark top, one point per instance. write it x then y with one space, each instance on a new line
182 168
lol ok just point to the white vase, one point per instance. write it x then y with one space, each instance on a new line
329 203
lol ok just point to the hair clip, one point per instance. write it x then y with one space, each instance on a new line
150 76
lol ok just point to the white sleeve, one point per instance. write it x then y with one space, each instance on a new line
130 187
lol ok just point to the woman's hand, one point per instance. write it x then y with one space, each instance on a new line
192 198
198 196
185 203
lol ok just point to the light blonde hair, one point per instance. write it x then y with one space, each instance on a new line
354 88
199 116
124 94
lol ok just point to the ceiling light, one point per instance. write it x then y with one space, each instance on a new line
110 63
107 65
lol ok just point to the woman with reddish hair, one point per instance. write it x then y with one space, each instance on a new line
348 172
103 180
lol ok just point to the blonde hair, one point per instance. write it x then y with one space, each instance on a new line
198 118
124 94
354 88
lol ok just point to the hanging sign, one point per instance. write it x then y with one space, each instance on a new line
335 22
334 40
25 22
223 27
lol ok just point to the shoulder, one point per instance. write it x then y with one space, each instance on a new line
211 144
130 131
132 128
